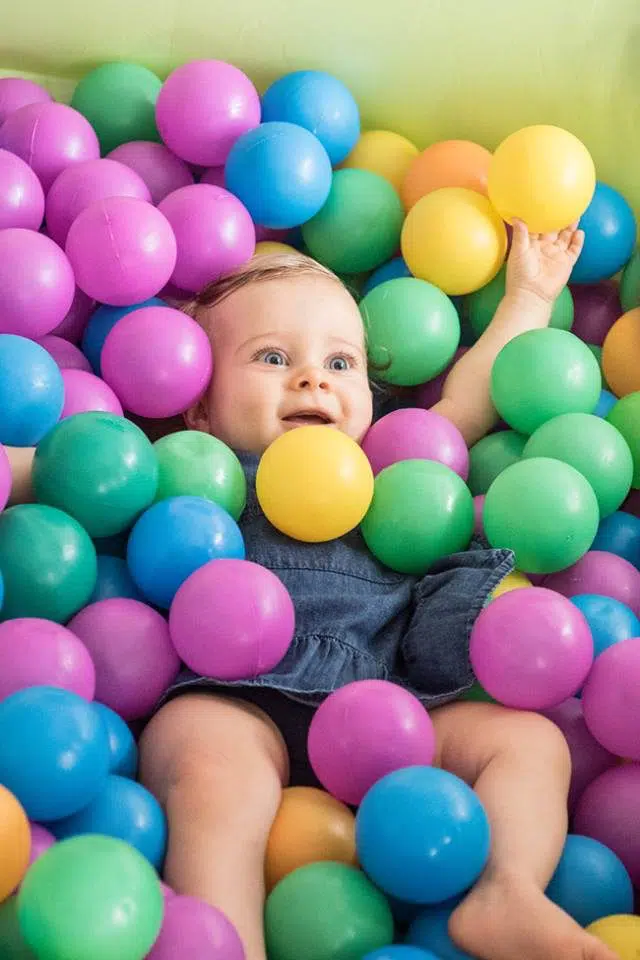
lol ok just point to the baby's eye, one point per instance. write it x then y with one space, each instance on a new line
340 362
275 357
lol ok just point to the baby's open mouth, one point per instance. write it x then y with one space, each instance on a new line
308 418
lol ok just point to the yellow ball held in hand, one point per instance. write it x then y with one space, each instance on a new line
314 484
542 175
621 933
266 248
385 153
454 239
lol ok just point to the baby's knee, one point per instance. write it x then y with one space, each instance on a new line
532 735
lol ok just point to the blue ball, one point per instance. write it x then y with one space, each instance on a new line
31 391
281 173
123 750
422 835
320 103
609 236
430 930
400 952
125 810
590 881
619 533
391 270
54 751
100 325
114 580
610 621
606 402
174 538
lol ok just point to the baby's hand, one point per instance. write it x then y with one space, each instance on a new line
540 263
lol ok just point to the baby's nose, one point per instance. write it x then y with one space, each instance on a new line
312 378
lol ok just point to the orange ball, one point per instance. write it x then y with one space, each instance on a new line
310 826
15 843
450 163
621 354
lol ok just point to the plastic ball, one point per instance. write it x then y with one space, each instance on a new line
281 173
513 581
414 434
268 247
35 652
620 534
314 484
73 325
16 92
31 391
84 393
609 228
196 931
422 835
491 455
36 283
401 533
194 463
6 478
619 349
48 563
364 731
545 511
113 580
596 307
165 380
602 573
400 952
41 841
449 163
100 325
544 176
95 891
123 751
607 811
132 652
392 270
383 152
160 169
66 355
630 283
609 620
606 403
412 330
621 933
454 239
21 196
119 100
15 840
482 305
429 393
590 881
430 930
624 416
610 699
214 233
355 916
122 250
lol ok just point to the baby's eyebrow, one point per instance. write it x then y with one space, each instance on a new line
347 343
259 336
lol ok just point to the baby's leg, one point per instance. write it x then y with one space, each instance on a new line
519 765
218 767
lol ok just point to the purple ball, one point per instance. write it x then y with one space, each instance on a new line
49 137
431 392
122 250
72 327
36 283
531 648
65 354
611 699
202 109
232 619
365 730
632 503
41 841
415 434
16 92
79 186
132 651
160 169
608 812
84 392
478 520
214 233
192 930
21 196
602 573
40 653
5 478
214 176
596 307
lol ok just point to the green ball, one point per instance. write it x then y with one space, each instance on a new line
630 283
482 305
93 897
542 374
192 463
625 417
477 694
359 226
326 911
48 563
119 101
421 511
99 468
597 352
595 448
12 944
543 510
490 456
413 331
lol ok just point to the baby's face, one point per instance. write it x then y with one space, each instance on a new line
287 353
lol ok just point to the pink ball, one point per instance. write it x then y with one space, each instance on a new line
167 892
21 196
598 572
16 92
192 930
133 655
41 841
611 699
531 648
431 392
36 283
72 327
202 109
214 176
364 731
79 186
232 619
414 434
478 521
122 250
5 478
36 652
596 307
84 392
160 169
158 361
49 137
608 812
214 233
65 354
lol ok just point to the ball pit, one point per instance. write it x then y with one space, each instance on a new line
35 652
16 92
31 391
123 750
430 931
621 933
620 534
596 308
491 455
450 163
154 163
630 283
610 698
193 929
482 305
73 325
133 88
383 152
36 283
197 464
41 841
601 573
5 478
101 323
21 195
624 416
66 354
392 270
609 620
15 837
610 231
619 348
590 882
415 434
606 812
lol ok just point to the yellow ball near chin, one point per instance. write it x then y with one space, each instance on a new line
621 933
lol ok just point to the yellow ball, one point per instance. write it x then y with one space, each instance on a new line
314 483
385 153
512 581
269 247
621 933
454 239
542 175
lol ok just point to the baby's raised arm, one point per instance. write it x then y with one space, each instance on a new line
538 268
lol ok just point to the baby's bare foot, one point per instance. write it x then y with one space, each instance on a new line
511 919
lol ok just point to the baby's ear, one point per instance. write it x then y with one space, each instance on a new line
197 416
